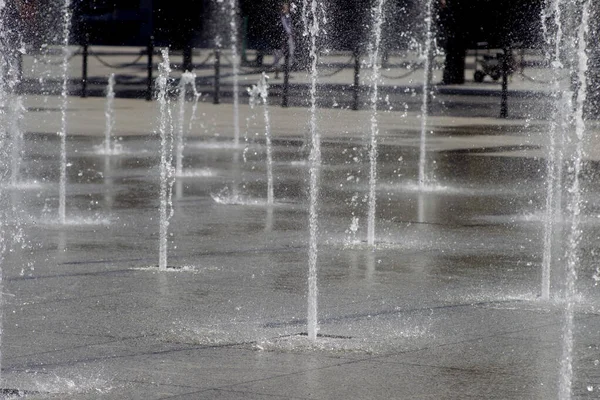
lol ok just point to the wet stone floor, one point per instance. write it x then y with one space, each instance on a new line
445 307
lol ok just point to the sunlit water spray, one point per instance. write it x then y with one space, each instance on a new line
66 26
187 79
374 63
166 158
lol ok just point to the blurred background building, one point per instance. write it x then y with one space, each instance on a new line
180 24
175 21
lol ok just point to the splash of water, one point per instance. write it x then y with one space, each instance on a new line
66 10
109 113
574 238
166 158
374 63
426 88
310 18
187 79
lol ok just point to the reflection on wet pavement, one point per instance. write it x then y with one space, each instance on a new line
449 292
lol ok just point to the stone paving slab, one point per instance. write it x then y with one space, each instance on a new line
446 306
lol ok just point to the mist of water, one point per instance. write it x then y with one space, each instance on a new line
375 64
166 158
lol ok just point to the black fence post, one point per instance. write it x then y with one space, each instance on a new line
505 71
286 78
84 66
356 87
216 99
150 68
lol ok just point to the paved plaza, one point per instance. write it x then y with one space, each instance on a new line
446 306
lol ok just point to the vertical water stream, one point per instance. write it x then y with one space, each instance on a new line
166 158
574 235
311 25
375 64
66 29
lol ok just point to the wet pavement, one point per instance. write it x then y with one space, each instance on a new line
445 307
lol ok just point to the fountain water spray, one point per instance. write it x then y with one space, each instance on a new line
263 89
374 63
15 110
253 95
559 128
166 158
188 78
63 112
109 113
574 237
194 110
15 115
235 64
310 18
4 67
428 68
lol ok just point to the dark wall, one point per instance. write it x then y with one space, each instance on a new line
109 23
179 21
498 22
348 23
132 22
260 20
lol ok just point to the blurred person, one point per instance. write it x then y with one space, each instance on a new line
26 9
287 44
23 20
